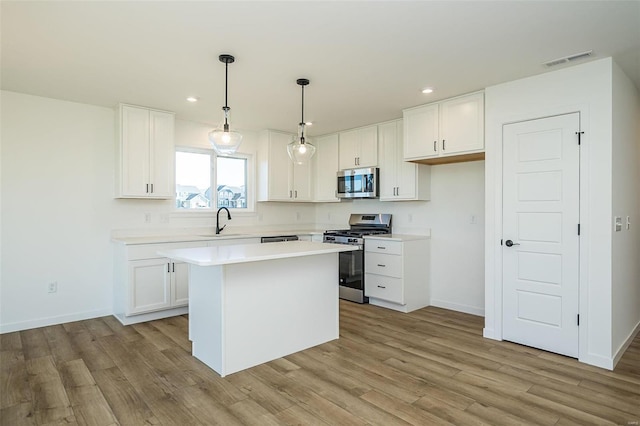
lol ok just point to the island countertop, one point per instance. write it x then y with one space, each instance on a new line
242 253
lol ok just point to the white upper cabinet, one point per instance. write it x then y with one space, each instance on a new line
326 165
359 148
145 153
279 179
400 180
451 128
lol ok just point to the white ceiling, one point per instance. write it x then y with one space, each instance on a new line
366 60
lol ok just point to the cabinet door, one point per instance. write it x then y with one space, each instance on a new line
348 149
462 125
179 284
406 173
302 182
326 165
368 147
162 155
149 285
280 167
134 128
388 146
421 132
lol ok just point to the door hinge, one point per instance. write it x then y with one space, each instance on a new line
579 137
578 229
578 319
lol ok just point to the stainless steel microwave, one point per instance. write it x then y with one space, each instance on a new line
359 183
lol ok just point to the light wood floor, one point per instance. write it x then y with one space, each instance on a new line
429 367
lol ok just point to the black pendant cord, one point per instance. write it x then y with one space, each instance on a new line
226 79
226 59
226 108
302 118
302 82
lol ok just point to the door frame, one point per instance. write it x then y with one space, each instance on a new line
493 228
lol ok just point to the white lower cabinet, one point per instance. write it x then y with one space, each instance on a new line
397 272
157 284
147 286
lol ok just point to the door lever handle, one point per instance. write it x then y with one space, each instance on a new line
510 243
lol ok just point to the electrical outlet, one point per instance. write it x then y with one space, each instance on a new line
410 217
147 218
298 216
628 222
164 218
52 287
474 219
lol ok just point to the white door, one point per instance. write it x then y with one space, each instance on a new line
540 233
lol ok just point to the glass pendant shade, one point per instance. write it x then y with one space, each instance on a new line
300 151
223 140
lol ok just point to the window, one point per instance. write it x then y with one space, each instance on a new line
207 182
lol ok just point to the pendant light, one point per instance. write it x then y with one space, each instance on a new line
300 151
224 141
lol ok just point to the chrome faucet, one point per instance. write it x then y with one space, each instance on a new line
218 229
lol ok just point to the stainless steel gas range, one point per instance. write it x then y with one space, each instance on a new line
351 273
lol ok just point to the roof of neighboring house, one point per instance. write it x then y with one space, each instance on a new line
192 196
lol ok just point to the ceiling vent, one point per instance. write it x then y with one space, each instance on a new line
570 58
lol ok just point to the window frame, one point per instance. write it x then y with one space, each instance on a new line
250 210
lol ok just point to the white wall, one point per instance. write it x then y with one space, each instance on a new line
587 89
57 178
457 194
626 202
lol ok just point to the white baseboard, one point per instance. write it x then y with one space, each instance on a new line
621 350
473 310
44 322
151 316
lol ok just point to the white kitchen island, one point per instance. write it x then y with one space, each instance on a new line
252 303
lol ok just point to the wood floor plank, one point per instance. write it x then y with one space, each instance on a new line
50 401
18 414
34 344
14 384
406 412
90 349
296 415
87 401
129 407
175 328
142 377
428 367
98 327
60 344
155 336
205 408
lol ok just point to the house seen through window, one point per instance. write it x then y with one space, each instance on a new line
206 182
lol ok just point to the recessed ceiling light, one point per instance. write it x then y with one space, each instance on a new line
427 90
192 99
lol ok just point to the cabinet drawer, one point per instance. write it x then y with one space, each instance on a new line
150 251
383 264
382 246
385 288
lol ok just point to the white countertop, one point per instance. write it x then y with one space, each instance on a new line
207 236
242 253
397 237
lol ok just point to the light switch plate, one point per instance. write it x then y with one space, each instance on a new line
618 223
628 222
